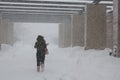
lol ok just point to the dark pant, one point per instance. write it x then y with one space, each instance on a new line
40 57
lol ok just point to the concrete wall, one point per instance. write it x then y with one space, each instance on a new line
42 18
118 28
63 20
78 30
61 35
68 38
65 34
95 26
116 25
109 30
6 32
0 30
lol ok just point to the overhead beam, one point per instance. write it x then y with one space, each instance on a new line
31 7
37 11
96 1
2 9
50 2
80 2
108 2
45 6
37 4
40 5
39 8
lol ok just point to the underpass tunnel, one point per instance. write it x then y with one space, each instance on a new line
28 32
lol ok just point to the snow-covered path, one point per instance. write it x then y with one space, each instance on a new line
19 63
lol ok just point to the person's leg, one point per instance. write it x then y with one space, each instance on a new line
38 68
38 63
42 67
42 63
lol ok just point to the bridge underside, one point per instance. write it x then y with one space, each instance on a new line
88 24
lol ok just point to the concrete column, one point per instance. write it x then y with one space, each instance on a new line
109 30
0 31
0 47
6 31
116 26
65 34
95 26
61 35
78 30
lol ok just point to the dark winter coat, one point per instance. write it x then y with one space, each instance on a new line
40 45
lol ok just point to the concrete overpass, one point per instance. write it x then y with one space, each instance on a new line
86 23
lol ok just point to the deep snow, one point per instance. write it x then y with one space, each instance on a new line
18 62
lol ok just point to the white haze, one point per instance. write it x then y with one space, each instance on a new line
18 62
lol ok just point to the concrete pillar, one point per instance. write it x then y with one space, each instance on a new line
1 31
65 34
6 32
0 34
78 30
109 30
116 26
61 35
0 47
95 26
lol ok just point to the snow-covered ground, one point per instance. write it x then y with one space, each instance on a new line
18 62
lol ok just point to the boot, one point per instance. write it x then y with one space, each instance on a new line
38 68
42 67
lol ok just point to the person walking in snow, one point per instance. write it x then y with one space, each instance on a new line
40 46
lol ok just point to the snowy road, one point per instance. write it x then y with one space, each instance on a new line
19 63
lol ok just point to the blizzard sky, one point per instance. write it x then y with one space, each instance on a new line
18 62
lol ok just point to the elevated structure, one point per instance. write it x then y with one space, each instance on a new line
47 7
98 1
81 23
